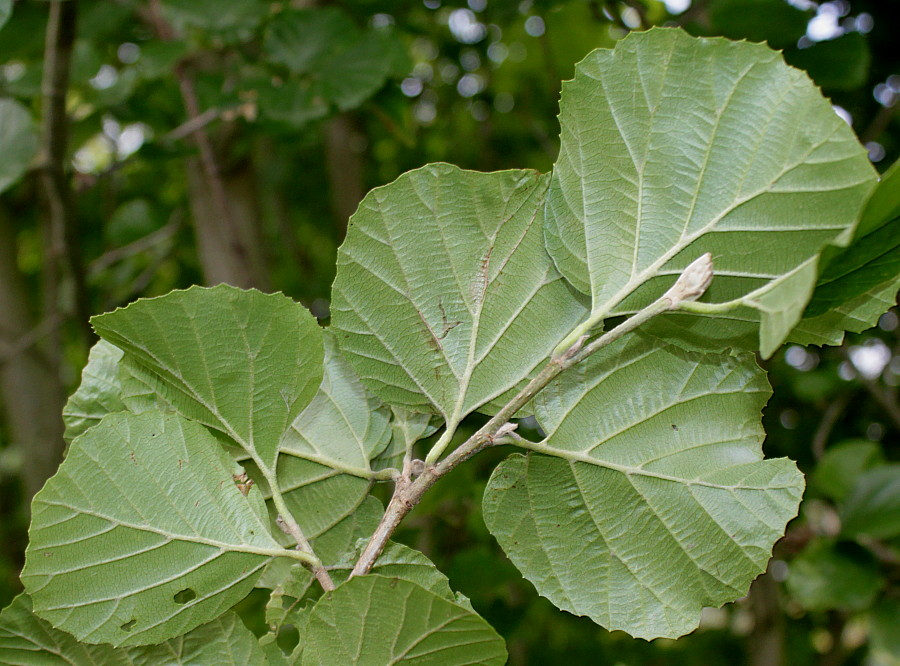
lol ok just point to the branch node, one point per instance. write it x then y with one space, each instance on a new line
282 525
503 434
416 468
571 351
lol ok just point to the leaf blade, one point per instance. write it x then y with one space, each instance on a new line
161 515
660 164
242 362
456 344
668 486
422 628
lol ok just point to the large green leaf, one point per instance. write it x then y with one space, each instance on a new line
143 535
650 498
445 298
99 392
324 470
674 146
377 620
872 259
18 141
242 362
27 640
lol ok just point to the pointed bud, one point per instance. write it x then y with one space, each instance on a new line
693 282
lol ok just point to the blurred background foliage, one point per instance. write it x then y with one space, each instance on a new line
147 145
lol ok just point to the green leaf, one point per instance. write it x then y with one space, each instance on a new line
377 620
825 576
836 473
872 259
873 506
856 315
301 39
344 426
143 535
18 142
837 64
99 392
26 640
216 15
242 362
351 77
324 470
651 499
225 640
673 147
445 298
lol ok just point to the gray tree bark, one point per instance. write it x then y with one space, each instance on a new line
30 387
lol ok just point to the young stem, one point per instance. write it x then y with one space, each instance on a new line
293 528
441 445
408 490
288 523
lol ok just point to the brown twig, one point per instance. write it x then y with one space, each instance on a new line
883 398
31 338
826 425
193 124
879 123
61 237
138 246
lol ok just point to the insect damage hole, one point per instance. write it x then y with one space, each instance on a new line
184 596
128 626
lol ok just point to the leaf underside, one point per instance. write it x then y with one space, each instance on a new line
27 640
445 299
142 534
242 362
649 498
673 146
377 620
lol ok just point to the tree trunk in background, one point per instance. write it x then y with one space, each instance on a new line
344 162
766 644
30 386
230 251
